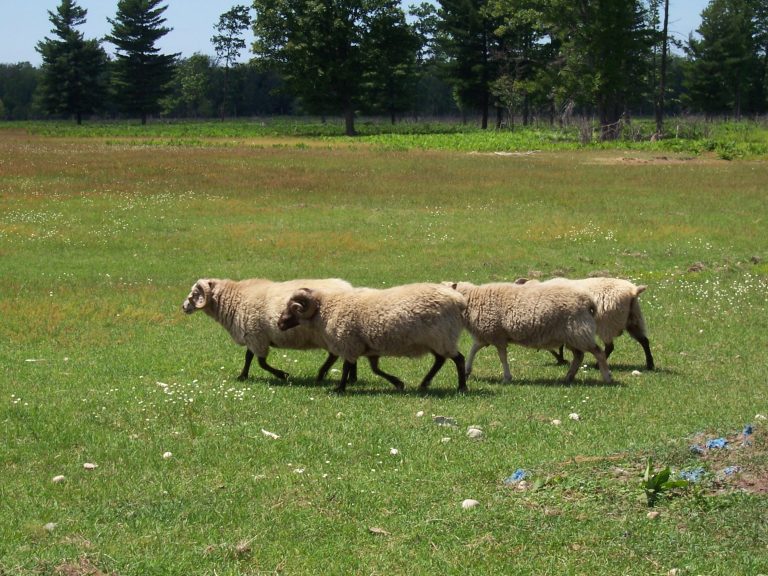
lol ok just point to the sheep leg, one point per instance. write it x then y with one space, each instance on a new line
459 361
396 382
436 365
247 366
602 363
471 357
558 354
640 336
501 349
326 366
345 373
274 371
578 357
608 349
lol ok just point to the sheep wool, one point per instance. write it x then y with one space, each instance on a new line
618 309
249 310
531 315
410 320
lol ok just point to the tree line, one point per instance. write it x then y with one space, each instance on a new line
501 61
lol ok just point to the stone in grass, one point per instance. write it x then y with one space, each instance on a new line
475 432
90 466
469 503
58 479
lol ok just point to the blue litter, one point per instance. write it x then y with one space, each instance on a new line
697 449
516 477
731 470
694 475
717 443
747 430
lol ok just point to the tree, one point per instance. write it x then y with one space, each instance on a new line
389 52
141 74
72 80
662 85
316 47
724 63
526 51
228 44
605 48
192 86
18 83
467 38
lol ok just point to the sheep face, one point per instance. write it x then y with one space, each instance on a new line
198 297
302 305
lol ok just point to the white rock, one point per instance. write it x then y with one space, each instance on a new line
59 478
636 373
653 515
469 503
420 413
474 432
394 451
167 455
556 422
573 416
90 466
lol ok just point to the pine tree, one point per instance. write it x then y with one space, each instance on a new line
724 71
73 68
141 75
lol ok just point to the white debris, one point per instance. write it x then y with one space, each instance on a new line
761 417
469 503
556 422
50 527
167 455
636 373
90 466
269 434
59 478
420 413
445 440
573 416
474 432
653 515
394 451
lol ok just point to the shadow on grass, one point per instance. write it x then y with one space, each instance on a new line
556 382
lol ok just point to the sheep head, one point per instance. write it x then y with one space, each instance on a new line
302 305
199 297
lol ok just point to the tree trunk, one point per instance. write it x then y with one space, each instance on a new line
662 73
349 120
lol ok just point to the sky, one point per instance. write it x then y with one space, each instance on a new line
25 22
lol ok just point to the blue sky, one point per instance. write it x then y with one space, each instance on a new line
25 22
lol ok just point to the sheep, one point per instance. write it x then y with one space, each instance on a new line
249 309
536 316
618 309
409 320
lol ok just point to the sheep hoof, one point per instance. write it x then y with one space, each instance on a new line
242 378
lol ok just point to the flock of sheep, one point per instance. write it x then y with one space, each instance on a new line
417 319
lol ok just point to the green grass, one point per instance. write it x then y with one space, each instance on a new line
101 239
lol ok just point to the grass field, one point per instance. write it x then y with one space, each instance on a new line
101 238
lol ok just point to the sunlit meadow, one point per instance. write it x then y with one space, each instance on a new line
193 472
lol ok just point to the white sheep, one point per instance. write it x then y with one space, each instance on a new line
249 310
618 309
409 320
536 316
